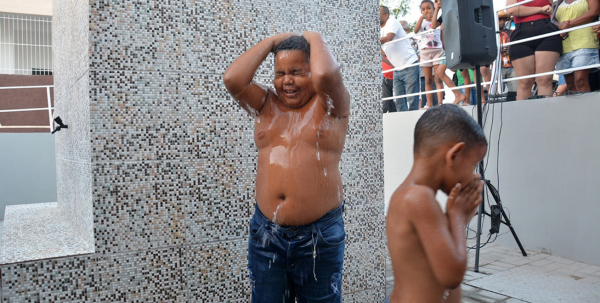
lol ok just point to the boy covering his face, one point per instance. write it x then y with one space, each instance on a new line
428 246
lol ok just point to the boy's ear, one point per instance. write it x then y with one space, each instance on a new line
453 153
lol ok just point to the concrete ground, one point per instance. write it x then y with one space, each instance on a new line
506 276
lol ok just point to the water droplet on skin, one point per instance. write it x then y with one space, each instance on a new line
325 171
275 213
318 156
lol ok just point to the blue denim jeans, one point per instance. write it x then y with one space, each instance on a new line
296 262
406 81
387 86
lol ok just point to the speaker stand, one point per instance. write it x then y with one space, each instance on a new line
494 192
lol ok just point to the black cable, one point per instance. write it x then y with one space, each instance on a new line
482 245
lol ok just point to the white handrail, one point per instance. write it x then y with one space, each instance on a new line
17 87
412 64
408 37
49 108
551 34
434 91
502 81
560 71
23 110
26 126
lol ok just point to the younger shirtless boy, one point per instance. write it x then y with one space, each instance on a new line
428 246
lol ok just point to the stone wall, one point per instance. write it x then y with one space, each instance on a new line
160 162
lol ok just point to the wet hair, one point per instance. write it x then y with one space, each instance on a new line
427 1
295 43
386 10
446 123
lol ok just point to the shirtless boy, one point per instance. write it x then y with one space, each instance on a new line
297 237
428 246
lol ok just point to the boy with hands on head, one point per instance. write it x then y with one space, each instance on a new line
428 246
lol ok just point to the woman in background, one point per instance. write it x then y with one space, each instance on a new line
537 56
580 47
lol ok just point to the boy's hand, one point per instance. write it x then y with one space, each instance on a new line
464 200
277 39
596 28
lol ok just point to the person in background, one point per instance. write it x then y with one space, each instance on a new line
440 72
400 54
415 44
562 86
387 85
465 77
508 71
431 49
413 41
536 56
580 47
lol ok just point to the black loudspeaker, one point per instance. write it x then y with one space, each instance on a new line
469 33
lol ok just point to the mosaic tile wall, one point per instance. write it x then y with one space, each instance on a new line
167 159
73 146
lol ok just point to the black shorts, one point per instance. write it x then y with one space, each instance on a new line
525 30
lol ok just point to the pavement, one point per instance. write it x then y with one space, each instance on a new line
506 276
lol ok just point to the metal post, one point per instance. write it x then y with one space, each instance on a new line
481 206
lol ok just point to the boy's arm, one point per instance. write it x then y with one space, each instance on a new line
443 236
326 76
238 76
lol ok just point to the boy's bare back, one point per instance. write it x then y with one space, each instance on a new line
428 259
426 245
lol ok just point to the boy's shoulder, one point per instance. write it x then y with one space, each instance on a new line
412 195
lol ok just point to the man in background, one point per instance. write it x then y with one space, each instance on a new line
400 54
387 85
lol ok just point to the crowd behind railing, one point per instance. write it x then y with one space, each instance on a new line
545 49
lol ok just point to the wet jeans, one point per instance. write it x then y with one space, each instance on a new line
406 81
303 262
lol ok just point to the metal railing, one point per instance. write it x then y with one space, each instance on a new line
25 44
50 109
496 74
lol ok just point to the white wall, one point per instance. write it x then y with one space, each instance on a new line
549 169
30 7
27 169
